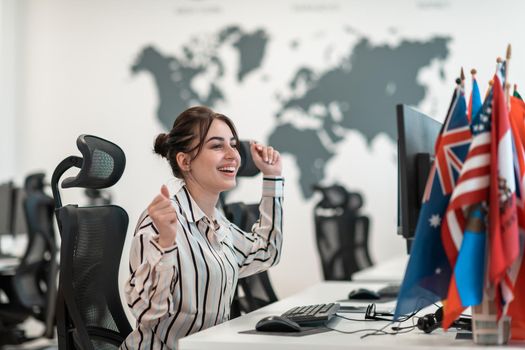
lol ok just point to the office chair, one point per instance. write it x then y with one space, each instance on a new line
341 233
89 310
31 289
255 291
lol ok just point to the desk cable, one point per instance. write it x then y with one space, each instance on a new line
380 331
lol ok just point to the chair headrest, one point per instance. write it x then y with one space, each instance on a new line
34 182
335 196
103 163
248 167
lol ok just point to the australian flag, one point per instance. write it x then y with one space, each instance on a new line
428 273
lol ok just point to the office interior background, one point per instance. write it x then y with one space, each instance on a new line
317 79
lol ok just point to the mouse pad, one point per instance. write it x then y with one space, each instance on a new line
304 331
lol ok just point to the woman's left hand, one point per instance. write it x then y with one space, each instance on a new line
266 158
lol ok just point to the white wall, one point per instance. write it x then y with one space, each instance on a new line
76 58
10 78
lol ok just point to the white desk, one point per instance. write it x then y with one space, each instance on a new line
390 271
226 336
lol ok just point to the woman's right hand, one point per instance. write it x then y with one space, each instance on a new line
164 216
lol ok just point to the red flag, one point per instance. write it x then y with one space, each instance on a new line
517 117
503 232
517 306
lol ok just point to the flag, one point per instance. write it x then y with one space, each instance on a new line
428 271
516 119
463 231
474 102
503 220
517 306
517 116
467 282
516 94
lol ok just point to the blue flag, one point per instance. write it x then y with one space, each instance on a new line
475 104
428 273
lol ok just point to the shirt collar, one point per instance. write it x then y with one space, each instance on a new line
191 210
189 207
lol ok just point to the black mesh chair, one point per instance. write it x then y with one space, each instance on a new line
341 233
256 291
31 290
89 310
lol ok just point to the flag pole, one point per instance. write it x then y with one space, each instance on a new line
473 73
507 85
491 82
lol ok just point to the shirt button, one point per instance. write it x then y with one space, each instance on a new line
161 263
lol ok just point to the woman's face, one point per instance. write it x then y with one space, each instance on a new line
215 167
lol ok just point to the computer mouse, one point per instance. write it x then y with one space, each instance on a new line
363 294
277 324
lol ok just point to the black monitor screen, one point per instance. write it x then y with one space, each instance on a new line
6 207
417 134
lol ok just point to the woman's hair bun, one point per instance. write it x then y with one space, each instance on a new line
161 145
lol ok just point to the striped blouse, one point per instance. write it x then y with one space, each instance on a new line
180 290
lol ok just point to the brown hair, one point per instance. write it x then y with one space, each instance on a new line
191 124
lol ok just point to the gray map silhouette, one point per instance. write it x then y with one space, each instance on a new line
364 89
359 93
174 75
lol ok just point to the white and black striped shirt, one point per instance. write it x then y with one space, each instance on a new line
188 287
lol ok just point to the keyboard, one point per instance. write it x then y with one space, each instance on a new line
312 314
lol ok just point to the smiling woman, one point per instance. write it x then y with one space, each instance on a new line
186 257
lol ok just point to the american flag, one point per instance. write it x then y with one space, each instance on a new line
473 182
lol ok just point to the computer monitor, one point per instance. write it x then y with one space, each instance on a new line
417 135
6 207
12 215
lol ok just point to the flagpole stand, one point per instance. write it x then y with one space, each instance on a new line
486 329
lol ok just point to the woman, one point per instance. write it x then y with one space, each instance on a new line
186 257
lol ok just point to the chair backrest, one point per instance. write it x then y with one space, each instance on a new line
36 276
255 291
89 310
341 233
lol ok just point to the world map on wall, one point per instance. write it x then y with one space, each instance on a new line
358 93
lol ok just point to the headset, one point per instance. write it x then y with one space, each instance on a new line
431 322
427 323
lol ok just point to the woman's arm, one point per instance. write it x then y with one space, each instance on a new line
261 248
154 274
